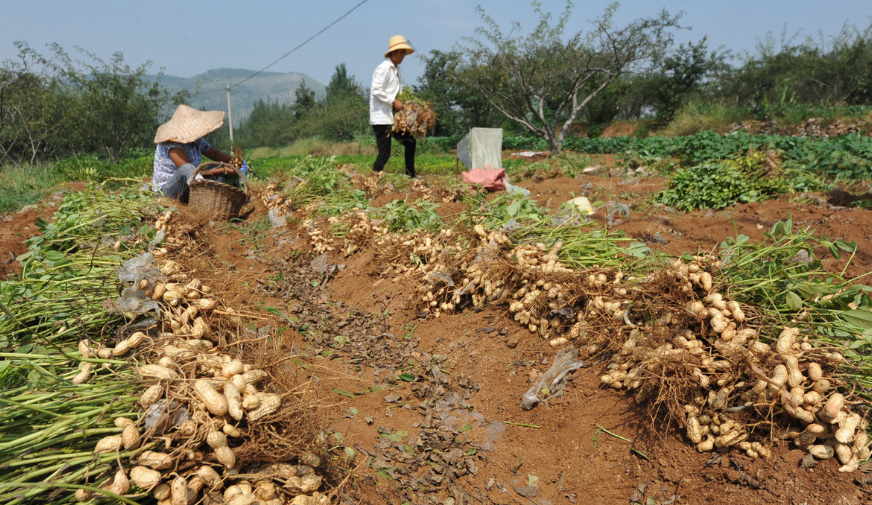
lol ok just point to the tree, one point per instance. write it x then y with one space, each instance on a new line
340 118
304 100
117 106
269 124
856 57
612 102
342 85
812 72
458 107
342 113
35 110
53 106
542 81
681 73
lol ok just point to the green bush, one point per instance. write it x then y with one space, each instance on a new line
719 184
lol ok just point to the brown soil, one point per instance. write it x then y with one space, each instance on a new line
16 228
431 405
619 129
676 233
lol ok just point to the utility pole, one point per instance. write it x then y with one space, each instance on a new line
230 116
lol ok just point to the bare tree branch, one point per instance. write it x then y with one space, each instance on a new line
536 80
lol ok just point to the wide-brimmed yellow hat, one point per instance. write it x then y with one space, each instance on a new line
189 124
399 42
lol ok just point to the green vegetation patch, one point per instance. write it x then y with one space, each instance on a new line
24 185
719 184
401 215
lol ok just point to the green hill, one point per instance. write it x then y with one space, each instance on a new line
209 89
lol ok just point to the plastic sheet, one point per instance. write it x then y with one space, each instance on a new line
613 209
276 219
488 253
138 268
481 148
158 239
511 188
440 276
551 383
162 416
134 300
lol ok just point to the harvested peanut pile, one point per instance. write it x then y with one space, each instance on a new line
213 428
682 348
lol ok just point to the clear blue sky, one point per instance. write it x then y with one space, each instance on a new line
187 37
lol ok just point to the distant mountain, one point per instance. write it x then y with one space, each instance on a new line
210 89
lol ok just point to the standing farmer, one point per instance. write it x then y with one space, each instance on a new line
387 81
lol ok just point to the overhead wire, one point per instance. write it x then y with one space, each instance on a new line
340 18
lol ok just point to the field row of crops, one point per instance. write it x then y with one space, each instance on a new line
809 163
58 402
568 281
846 156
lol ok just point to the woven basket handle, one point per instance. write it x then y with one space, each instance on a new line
216 164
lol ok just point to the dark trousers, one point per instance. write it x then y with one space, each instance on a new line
383 136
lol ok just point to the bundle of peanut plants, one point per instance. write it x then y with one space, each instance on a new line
417 117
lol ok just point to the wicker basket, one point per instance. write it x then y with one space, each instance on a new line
221 200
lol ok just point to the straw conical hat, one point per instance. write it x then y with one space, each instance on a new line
399 42
189 124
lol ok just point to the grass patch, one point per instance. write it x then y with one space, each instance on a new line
362 145
359 153
25 185
314 147
94 169
695 117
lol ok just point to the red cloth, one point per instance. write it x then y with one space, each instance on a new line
492 179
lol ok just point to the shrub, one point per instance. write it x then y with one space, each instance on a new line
719 184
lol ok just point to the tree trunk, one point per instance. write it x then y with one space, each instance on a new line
555 142
555 146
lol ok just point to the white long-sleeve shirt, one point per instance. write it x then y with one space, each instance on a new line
387 81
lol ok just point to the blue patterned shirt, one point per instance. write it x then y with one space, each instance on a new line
164 167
